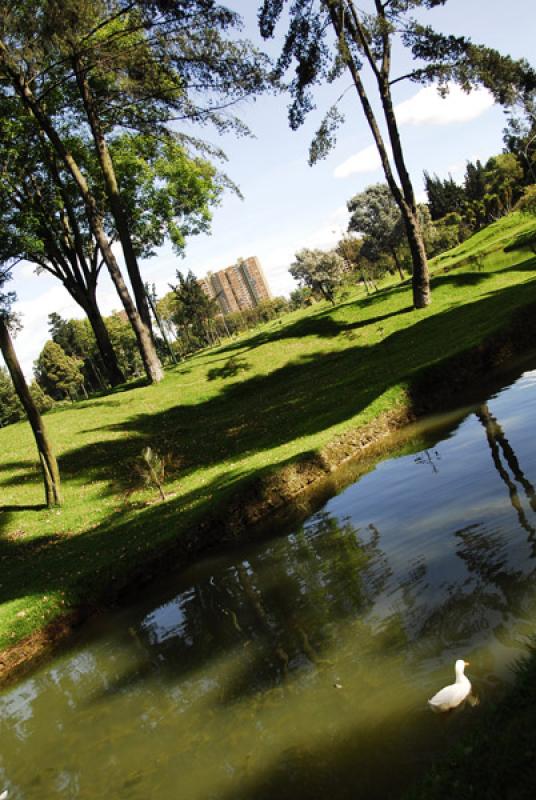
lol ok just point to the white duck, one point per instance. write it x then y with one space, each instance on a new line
451 696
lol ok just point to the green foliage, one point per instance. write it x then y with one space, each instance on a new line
125 345
444 196
448 232
437 57
165 191
58 374
520 135
374 213
10 407
42 401
193 311
503 176
527 203
77 339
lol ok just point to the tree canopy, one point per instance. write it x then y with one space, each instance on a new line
322 271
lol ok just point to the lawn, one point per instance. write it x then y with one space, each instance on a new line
250 406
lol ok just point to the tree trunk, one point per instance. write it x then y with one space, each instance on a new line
407 205
161 327
151 362
398 264
49 465
109 358
404 198
112 190
421 276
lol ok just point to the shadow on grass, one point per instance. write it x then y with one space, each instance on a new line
232 367
9 466
304 397
459 279
522 241
30 507
527 265
321 325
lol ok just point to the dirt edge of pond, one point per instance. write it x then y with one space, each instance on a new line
434 388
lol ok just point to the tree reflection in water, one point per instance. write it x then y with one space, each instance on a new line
226 687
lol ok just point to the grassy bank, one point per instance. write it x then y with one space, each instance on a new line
251 407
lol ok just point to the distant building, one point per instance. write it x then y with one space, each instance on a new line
238 287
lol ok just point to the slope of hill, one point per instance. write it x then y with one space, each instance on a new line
245 425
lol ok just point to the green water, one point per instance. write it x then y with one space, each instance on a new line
299 667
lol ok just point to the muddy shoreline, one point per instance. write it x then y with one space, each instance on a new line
295 490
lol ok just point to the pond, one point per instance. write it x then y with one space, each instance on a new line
300 666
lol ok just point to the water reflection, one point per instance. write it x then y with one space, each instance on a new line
499 443
222 684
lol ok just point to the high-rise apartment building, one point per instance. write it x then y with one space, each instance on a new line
238 287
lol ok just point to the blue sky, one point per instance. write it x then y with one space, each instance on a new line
287 204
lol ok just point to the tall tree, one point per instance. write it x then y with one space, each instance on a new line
49 465
43 222
326 37
503 183
375 214
59 374
194 311
76 339
124 65
520 134
323 271
16 79
141 64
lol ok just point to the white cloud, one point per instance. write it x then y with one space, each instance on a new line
329 233
26 270
30 340
427 107
366 160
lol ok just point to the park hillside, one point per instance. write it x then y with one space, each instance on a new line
145 467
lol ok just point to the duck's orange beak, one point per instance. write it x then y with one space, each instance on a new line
466 664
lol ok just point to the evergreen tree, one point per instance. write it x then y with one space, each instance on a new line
10 407
194 311
58 374
444 196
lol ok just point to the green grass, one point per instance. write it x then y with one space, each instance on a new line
227 415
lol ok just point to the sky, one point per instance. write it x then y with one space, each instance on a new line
289 205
